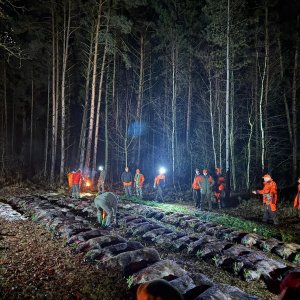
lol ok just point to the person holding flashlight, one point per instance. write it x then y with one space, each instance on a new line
159 184
101 180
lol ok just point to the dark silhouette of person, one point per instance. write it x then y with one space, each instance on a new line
158 289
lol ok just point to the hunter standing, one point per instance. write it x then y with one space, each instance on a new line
77 179
70 182
269 193
196 186
126 178
219 188
101 180
297 198
207 183
159 183
138 182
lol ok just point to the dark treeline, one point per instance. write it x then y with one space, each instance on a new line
146 83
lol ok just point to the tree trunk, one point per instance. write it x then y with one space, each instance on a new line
267 58
140 96
294 105
232 139
82 140
93 96
227 103
220 122
174 58
5 136
261 114
66 36
189 104
47 129
13 125
251 123
54 115
31 122
106 125
212 124
99 103
286 106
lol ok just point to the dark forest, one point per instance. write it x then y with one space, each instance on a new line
179 84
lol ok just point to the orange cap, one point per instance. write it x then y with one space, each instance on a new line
267 176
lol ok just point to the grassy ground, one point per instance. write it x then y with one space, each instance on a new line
247 216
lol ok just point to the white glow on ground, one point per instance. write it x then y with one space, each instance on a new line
8 213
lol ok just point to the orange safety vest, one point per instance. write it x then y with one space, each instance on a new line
70 179
197 183
297 199
140 180
158 178
269 193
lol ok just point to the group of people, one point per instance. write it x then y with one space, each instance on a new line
207 189
138 181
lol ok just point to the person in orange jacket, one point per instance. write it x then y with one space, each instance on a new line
269 193
196 186
219 188
297 198
159 183
70 182
138 182
77 180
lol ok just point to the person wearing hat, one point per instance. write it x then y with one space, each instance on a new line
297 198
269 193
207 183
138 182
196 186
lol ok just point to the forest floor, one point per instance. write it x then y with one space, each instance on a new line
34 265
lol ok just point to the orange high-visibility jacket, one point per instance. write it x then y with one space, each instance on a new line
269 193
139 180
70 179
158 178
197 183
297 199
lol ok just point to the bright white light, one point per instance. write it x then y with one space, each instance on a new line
162 170
100 168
